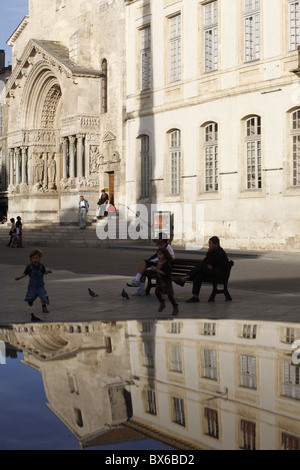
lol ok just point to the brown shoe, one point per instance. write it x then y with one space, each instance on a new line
44 309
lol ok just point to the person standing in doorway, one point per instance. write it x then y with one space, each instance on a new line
83 210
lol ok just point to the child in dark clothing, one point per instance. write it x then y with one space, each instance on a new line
36 288
164 279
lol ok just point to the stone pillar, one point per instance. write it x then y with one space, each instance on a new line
17 162
79 155
11 166
65 157
24 178
72 156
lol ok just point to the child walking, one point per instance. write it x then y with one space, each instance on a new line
36 288
164 279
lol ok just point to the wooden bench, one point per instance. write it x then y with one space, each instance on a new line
182 266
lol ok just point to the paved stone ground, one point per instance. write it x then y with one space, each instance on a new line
263 286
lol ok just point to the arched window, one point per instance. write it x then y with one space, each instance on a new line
175 162
211 156
104 87
295 135
144 166
253 151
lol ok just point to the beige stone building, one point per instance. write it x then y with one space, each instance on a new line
65 108
179 104
213 112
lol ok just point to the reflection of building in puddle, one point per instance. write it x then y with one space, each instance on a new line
216 385
85 383
193 384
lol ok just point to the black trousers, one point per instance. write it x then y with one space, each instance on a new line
200 273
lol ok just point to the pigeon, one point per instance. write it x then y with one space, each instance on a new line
92 293
34 318
125 295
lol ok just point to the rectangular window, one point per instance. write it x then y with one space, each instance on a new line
212 422
253 144
148 354
175 157
144 156
146 58
290 442
211 36
252 29
291 380
151 402
248 371
248 435
211 157
175 48
176 358
294 27
249 331
296 147
210 364
178 411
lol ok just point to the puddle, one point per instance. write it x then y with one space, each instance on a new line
166 384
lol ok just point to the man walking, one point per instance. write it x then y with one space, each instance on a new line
83 210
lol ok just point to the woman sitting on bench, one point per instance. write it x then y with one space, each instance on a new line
213 268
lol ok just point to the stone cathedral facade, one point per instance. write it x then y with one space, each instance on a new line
179 104
65 108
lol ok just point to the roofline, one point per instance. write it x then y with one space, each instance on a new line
12 39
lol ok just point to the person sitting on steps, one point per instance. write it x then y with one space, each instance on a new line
213 267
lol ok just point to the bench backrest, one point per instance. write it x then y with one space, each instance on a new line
181 266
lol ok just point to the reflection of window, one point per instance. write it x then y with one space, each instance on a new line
175 157
211 36
212 422
248 435
209 329
248 371
144 165
291 334
296 147
78 417
146 58
291 380
176 358
294 26
289 442
252 29
175 327
178 411
148 354
211 157
249 331
151 402
210 364
175 48
104 87
253 146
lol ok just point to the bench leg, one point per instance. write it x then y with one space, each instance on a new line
213 293
226 293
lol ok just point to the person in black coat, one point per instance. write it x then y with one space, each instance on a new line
213 268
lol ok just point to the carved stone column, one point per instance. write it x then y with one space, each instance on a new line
17 163
65 157
11 166
79 154
24 178
72 156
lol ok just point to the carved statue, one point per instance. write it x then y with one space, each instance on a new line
39 171
51 169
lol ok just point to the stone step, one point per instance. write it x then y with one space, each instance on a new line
69 235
